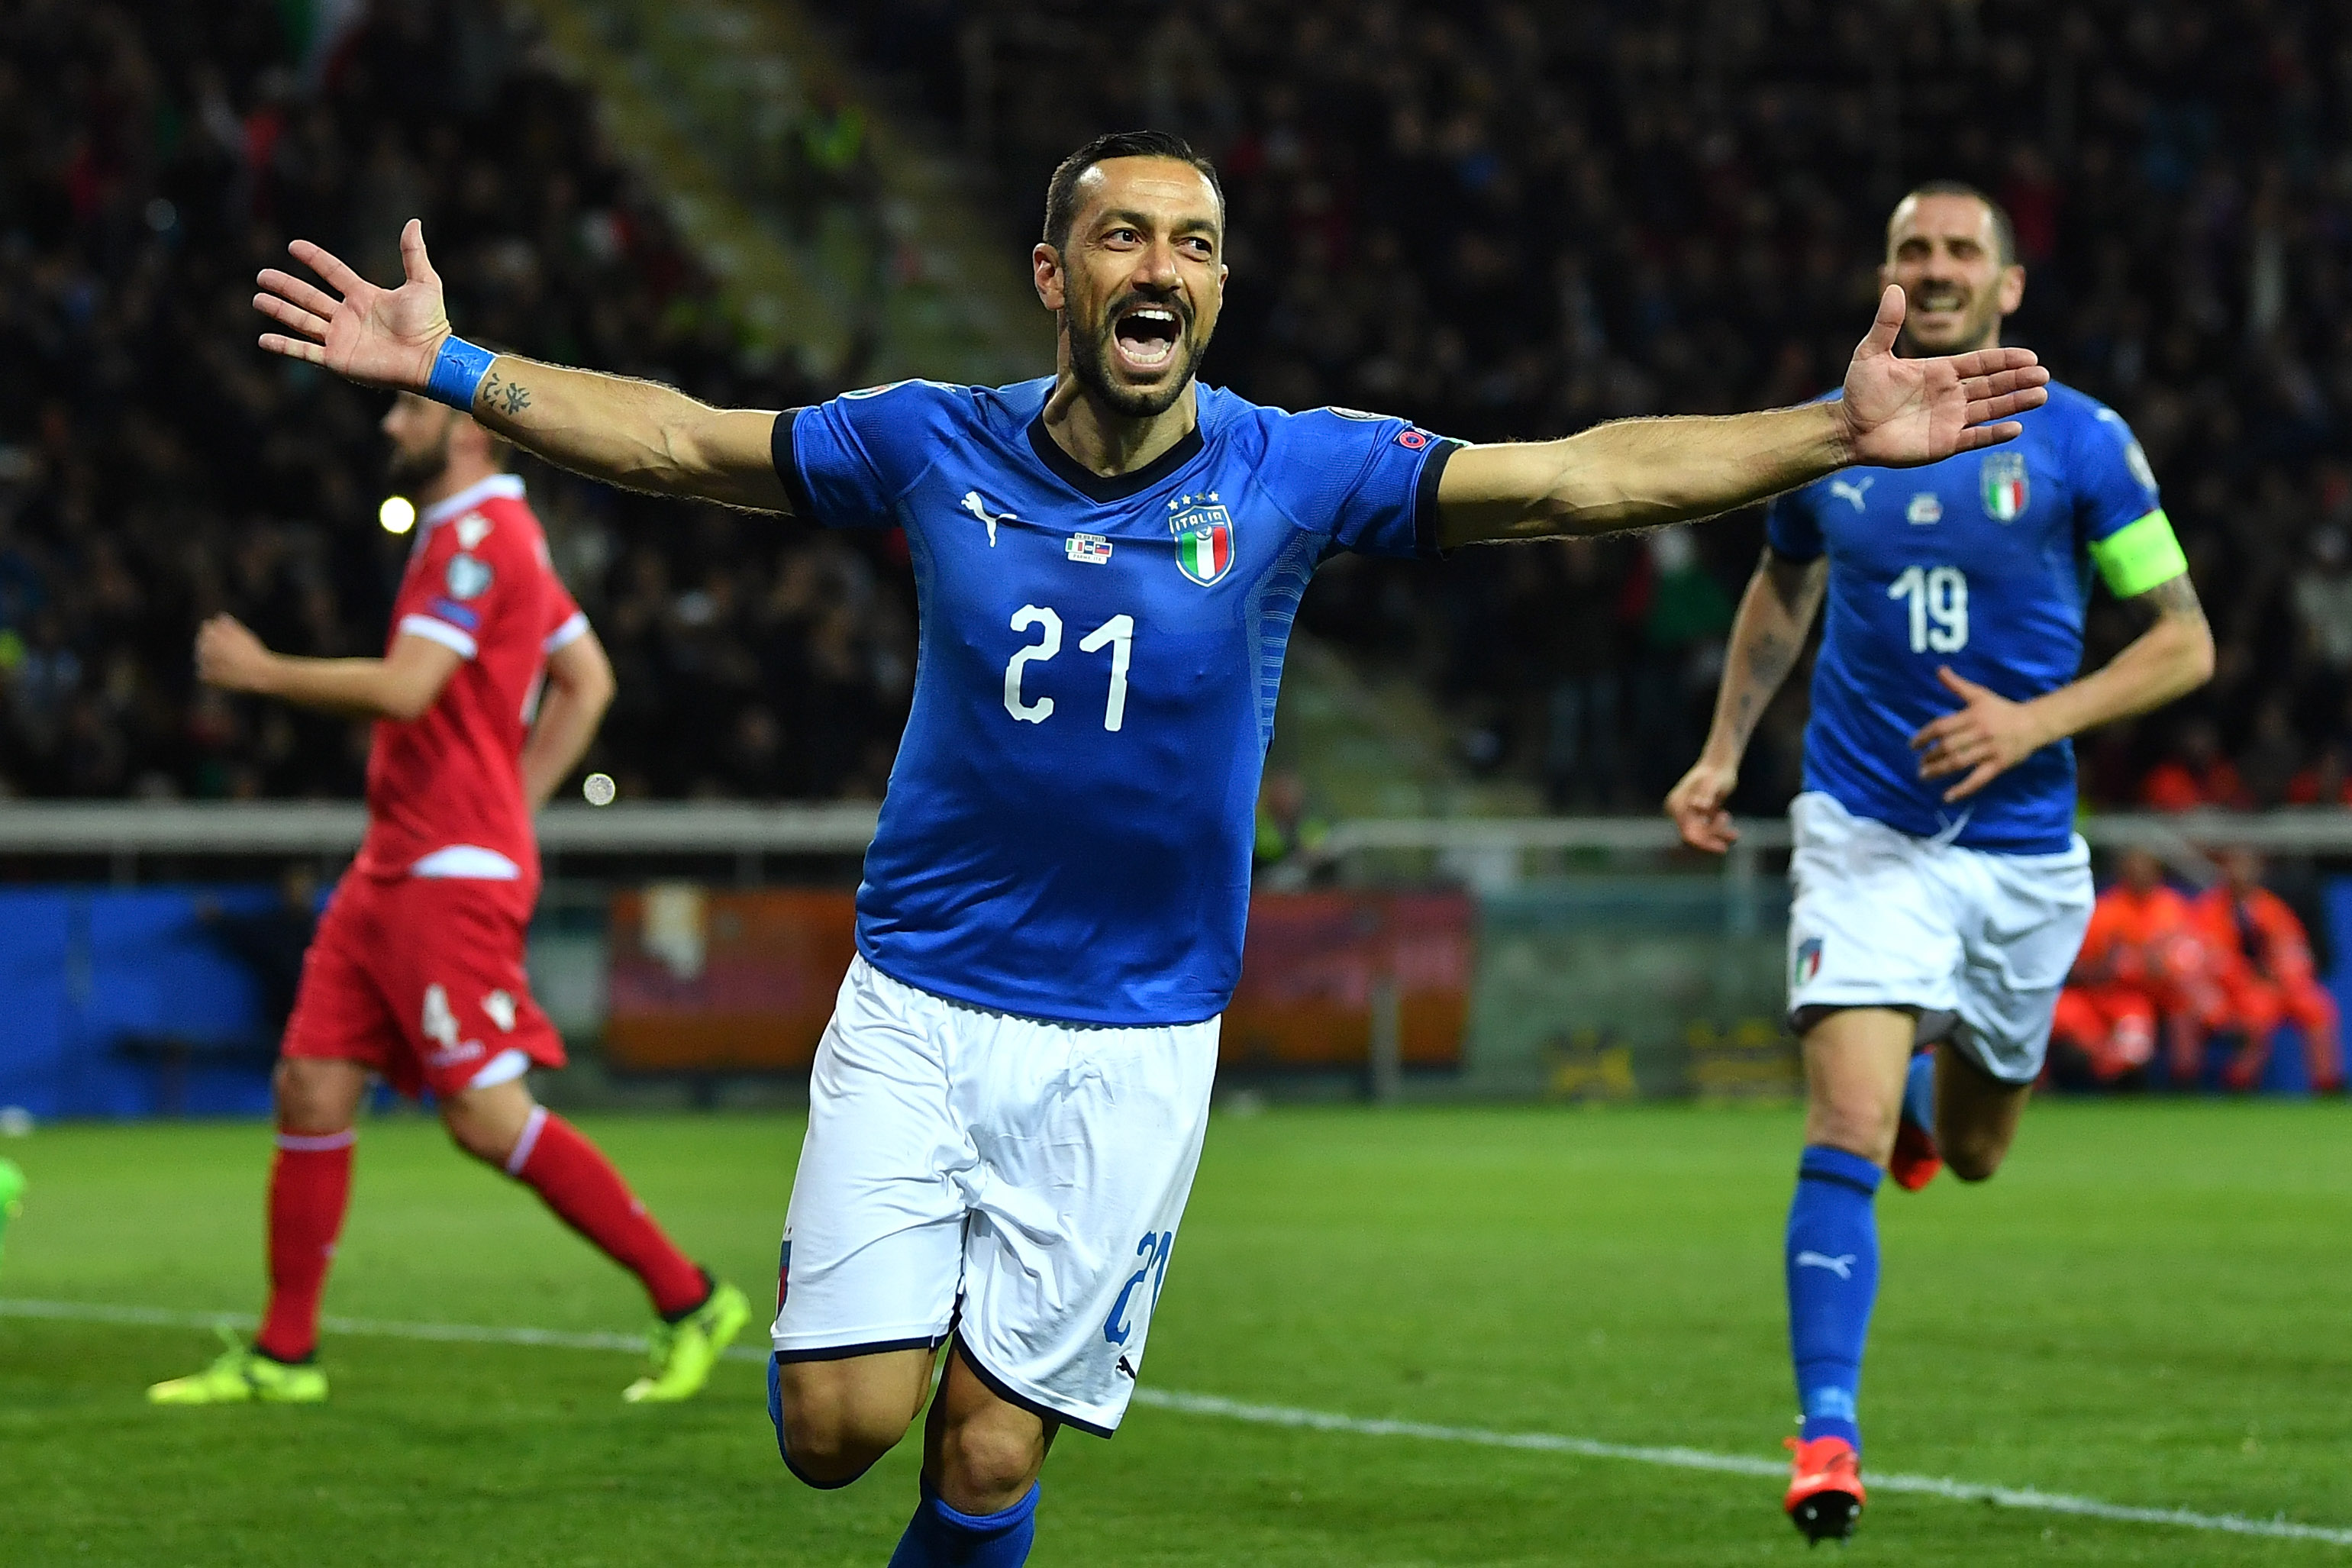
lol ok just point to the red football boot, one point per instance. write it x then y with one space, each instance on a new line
1825 1492
1915 1160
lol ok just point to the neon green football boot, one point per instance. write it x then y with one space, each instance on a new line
12 1198
243 1375
682 1353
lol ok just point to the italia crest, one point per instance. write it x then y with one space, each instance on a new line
2003 478
1204 537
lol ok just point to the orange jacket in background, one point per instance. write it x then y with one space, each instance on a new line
2255 936
2151 941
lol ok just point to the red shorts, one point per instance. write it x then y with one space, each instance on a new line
421 979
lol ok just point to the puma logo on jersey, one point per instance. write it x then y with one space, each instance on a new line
472 529
1841 1265
979 509
499 1008
1853 489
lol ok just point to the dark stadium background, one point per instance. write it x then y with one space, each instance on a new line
1500 219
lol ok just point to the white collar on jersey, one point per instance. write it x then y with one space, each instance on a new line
504 487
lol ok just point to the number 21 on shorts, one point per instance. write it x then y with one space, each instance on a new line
1153 1249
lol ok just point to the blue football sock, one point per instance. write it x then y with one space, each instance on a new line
939 1537
1919 1093
1832 1263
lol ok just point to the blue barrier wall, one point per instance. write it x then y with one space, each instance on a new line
119 1003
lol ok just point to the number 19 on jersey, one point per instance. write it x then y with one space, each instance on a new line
1938 598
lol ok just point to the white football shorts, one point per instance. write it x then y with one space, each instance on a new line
1016 1182
1884 919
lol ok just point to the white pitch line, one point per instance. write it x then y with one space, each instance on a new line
1210 1404
1736 1464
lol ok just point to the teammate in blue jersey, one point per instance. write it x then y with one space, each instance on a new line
1007 1107
1941 892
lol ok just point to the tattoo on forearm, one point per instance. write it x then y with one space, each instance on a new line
2174 596
507 397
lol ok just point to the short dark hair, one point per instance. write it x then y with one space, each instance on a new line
1062 190
2004 232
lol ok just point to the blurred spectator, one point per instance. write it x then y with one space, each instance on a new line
2144 966
2266 971
1501 219
270 943
156 467
2323 601
1290 831
2196 773
1504 219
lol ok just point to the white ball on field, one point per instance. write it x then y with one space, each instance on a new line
599 788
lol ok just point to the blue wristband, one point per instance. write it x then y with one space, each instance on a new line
457 371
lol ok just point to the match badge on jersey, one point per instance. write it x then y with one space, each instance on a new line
468 576
1927 507
472 529
2003 477
1091 548
1204 537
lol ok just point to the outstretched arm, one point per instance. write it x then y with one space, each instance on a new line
1767 635
1990 735
636 433
401 685
1644 473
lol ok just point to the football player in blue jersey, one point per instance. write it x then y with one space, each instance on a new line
1941 892
1008 1105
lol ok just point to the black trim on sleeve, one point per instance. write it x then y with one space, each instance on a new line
1110 486
996 1385
1424 499
788 468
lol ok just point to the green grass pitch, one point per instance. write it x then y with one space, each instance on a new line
2151 1306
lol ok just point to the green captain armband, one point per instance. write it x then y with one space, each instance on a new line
2139 555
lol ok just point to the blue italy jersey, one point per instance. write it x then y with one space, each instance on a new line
1982 563
1068 827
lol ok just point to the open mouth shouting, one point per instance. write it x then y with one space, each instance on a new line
1940 304
1145 335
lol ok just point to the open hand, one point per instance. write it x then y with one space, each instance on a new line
230 657
1986 738
1697 809
1903 412
377 337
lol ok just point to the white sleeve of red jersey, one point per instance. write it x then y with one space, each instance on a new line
453 589
567 622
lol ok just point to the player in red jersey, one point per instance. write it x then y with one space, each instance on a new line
488 692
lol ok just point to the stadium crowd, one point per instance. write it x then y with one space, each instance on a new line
155 468
1511 219
1502 219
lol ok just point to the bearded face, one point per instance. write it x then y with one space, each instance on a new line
1137 281
1136 354
419 432
1945 250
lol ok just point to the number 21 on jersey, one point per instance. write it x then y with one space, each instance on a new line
1939 606
1117 634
